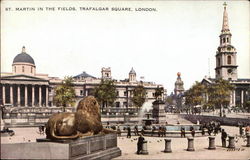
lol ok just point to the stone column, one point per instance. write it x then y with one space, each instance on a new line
11 94
3 89
231 142
33 96
40 96
248 139
26 95
18 95
47 96
168 146
234 97
190 144
144 147
211 143
242 97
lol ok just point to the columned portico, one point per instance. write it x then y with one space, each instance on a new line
26 95
47 95
3 94
33 96
40 96
18 95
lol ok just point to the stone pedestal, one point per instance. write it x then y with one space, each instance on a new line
92 147
168 146
144 147
190 144
158 111
211 143
248 139
231 142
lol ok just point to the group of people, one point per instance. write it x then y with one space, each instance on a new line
212 127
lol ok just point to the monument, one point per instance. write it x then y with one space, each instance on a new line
78 135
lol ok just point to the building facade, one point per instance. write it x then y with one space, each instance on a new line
23 87
226 66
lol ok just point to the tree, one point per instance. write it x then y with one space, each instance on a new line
105 93
139 96
158 92
195 95
219 94
65 93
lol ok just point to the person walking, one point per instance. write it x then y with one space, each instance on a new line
140 143
183 132
129 132
223 138
136 130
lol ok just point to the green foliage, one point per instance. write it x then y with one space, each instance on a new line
194 96
105 93
139 96
219 93
158 92
65 93
170 100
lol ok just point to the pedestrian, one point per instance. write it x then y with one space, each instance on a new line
159 131
129 132
119 131
223 138
142 131
153 130
164 131
203 131
136 130
240 129
183 132
139 144
193 132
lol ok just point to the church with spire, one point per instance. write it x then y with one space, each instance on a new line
226 66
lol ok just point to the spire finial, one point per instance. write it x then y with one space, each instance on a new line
225 27
23 49
225 5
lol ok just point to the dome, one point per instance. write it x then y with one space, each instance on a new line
23 57
132 71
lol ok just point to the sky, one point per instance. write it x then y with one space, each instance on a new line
178 36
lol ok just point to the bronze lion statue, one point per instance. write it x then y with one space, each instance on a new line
86 121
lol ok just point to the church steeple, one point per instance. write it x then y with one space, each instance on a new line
225 26
226 65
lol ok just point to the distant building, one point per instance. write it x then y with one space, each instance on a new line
226 66
24 87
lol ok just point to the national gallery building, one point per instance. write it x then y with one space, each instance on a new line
23 87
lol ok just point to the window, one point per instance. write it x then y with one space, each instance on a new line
125 93
229 60
31 69
227 39
22 68
15 68
81 92
224 40
117 93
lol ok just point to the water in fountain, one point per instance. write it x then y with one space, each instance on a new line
146 107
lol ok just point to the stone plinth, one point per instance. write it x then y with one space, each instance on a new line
211 143
231 142
93 147
158 111
190 144
144 147
168 146
248 140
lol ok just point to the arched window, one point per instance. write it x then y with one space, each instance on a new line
229 60
227 40
224 40
23 68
